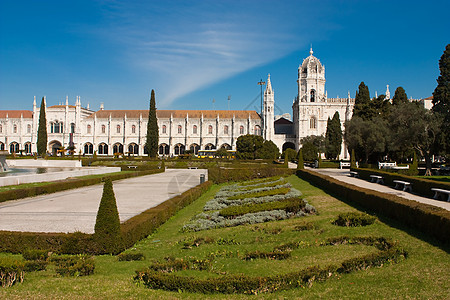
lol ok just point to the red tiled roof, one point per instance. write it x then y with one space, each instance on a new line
15 114
429 98
207 114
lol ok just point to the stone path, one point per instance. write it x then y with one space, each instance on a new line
344 175
76 210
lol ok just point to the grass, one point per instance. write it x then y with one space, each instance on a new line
423 275
436 178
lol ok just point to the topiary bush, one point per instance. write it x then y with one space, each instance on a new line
353 219
11 271
79 265
35 254
131 256
107 224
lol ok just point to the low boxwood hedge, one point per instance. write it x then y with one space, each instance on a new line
431 220
353 219
222 175
293 205
11 271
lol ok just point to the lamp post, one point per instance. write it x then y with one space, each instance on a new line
261 83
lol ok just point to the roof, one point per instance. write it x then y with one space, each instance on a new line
207 114
429 98
61 106
283 121
15 114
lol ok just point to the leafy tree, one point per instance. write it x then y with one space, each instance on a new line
333 137
367 136
268 150
441 99
107 223
414 126
247 145
309 151
222 152
152 129
399 96
300 163
362 107
289 154
317 140
353 159
380 106
42 131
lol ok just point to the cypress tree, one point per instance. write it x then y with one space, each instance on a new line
353 159
42 131
300 164
399 96
333 137
107 223
362 102
152 129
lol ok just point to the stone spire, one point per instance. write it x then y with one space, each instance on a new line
388 94
311 51
269 89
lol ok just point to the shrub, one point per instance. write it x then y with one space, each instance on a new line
305 226
274 255
107 224
292 205
35 265
35 254
353 219
279 191
131 256
11 271
80 265
197 242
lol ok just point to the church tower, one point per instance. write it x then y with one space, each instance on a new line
311 80
269 118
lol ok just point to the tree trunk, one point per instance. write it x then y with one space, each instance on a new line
427 164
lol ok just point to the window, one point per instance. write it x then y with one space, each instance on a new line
313 123
118 148
56 127
1 128
133 149
118 128
72 127
14 147
15 129
225 129
179 149
164 129
88 148
210 129
194 148
102 148
103 128
28 129
194 129
133 129
210 147
313 96
241 130
180 128
88 129
28 148
2 146
163 149
257 130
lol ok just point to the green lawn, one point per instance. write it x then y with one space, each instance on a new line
423 275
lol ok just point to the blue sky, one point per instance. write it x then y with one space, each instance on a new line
192 52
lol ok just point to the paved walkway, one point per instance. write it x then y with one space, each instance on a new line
344 175
76 210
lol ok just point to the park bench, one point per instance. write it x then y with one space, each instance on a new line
377 179
354 174
131 167
443 192
403 185
343 164
192 168
387 165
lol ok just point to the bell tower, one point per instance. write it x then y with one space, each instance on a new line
269 118
311 80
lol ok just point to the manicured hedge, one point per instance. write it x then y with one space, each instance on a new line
132 230
11 271
353 219
293 205
420 186
67 184
429 219
221 175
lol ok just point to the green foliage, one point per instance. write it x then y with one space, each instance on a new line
300 163
309 151
41 143
222 152
353 219
107 223
218 175
268 151
79 265
35 265
289 154
353 159
11 271
131 256
333 137
292 205
253 146
413 168
152 142
399 96
274 255
279 191
35 254
362 107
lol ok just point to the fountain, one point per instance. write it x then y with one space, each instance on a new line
3 164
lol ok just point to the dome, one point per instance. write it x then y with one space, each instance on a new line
312 64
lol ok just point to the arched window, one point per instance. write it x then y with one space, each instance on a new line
257 130
72 127
164 129
210 147
1 128
313 123
2 146
103 129
133 129
133 149
88 129
28 147
225 129
313 96
14 147
179 149
88 148
163 149
56 127
118 128
226 147
210 129
15 129
194 129
180 128
194 148
118 148
28 128
241 129
102 148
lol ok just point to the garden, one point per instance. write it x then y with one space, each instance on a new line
276 237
